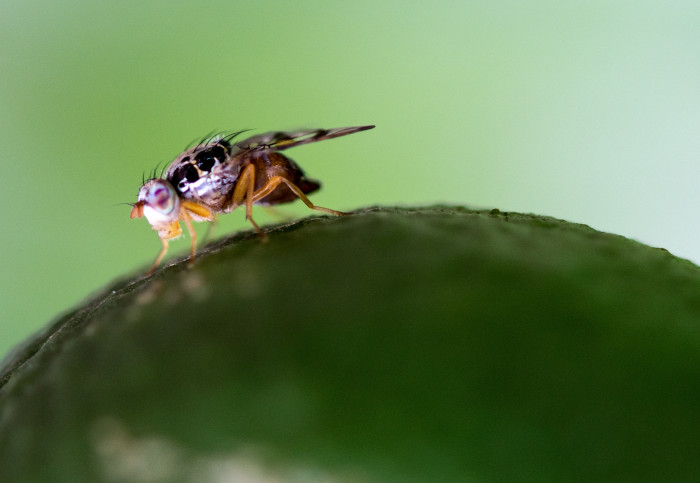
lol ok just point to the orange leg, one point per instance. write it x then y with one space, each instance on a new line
244 193
186 208
275 181
211 228
193 236
160 256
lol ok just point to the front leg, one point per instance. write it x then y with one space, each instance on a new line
187 207
211 229
160 256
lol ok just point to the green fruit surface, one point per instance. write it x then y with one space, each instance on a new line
396 344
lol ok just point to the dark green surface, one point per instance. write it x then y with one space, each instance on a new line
437 344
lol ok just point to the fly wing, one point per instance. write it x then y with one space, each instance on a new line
281 140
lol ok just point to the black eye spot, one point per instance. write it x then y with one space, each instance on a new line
219 150
210 157
207 164
191 173
182 177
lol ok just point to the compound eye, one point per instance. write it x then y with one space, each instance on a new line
162 198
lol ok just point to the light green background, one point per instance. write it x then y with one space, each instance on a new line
587 111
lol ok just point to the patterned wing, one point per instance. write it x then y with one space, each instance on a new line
281 140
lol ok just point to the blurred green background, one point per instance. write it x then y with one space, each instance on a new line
587 111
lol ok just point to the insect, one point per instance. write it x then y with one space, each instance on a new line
218 175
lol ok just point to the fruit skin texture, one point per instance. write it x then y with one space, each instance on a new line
397 344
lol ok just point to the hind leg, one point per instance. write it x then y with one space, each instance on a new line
275 181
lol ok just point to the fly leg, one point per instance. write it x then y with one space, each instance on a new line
211 228
243 193
275 181
193 237
160 256
186 208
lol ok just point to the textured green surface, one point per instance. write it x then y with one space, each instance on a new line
435 344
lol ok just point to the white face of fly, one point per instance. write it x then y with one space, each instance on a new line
161 205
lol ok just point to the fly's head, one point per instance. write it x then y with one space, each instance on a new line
159 203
